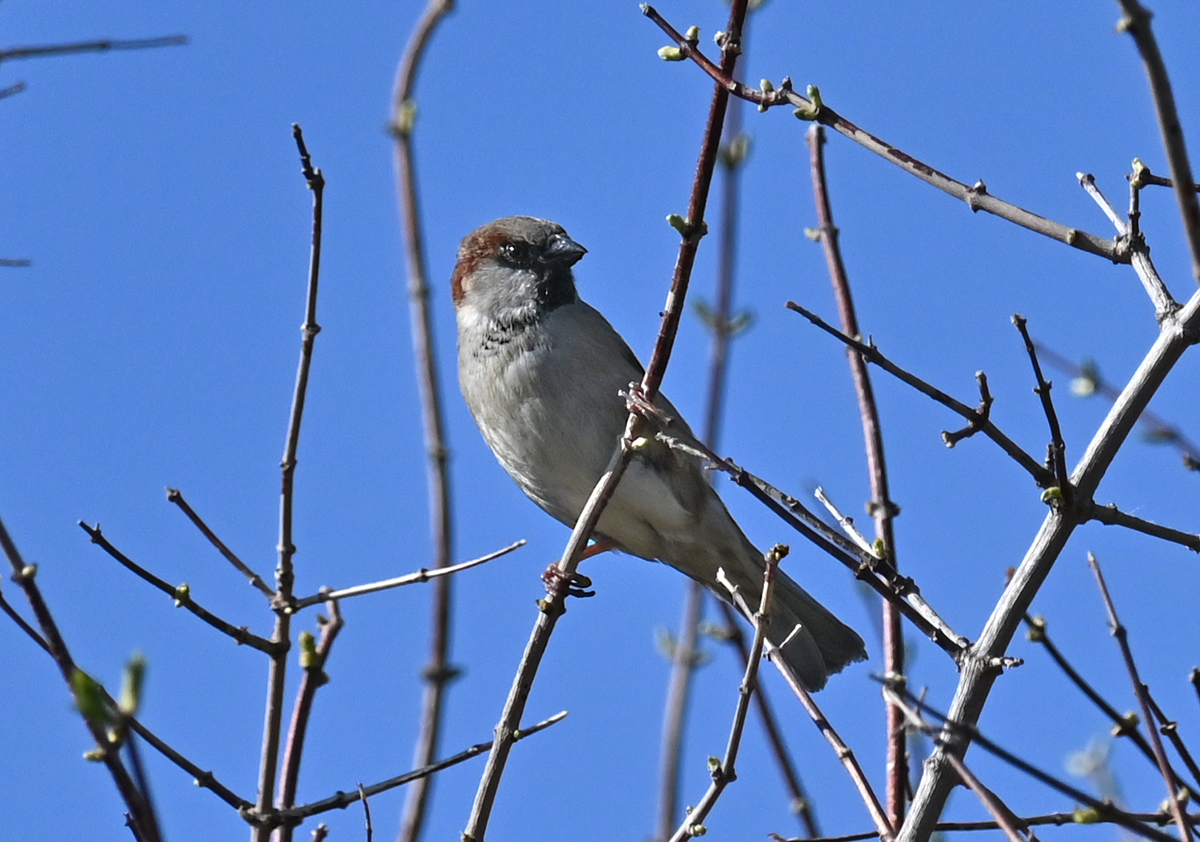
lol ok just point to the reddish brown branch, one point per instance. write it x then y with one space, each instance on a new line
976 197
554 605
881 507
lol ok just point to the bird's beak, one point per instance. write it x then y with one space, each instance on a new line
563 249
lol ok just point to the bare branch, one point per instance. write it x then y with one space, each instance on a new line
800 802
344 799
175 496
1110 515
691 229
284 574
725 772
1006 819
1177 333
1157 429
1058 447
422 575
101 46
313 658
1056 819
1136 21
875 572
142 819
438 671
1122 725
1170 729
1139 690
721 327
182 596
978 418
1140 254
1103 810
881 507
976 197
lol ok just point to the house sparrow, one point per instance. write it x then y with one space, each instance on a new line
542 371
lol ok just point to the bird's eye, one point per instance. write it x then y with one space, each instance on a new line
515 254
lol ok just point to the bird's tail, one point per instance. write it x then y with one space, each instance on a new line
813 642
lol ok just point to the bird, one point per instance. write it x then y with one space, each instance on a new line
543 374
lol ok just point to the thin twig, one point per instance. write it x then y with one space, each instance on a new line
1140 258
720 324
1136 21
284 573
725 772
1008 821
982 414
1058 447
438 671
871 353
422 575
175 496
1139 690
976 197
1147 177
1104 810
1005 818
24 626
881 507
143 821
201 777
1122 726
1169 728
877 573
1057 819
312 659
800 802
367 812
344 799
1110 515
182 596
5 93
101 46
846 522
693 228
844 753
1177 334
1158 430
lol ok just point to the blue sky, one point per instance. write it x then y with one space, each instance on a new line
153 343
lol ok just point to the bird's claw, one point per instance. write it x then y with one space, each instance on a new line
574 585
637 403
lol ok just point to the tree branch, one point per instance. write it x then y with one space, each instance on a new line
976 197
438 671
881 507
692 229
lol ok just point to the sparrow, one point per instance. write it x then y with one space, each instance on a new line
543 374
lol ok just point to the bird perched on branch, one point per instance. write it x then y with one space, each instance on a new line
542 373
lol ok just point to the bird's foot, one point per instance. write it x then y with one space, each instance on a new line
637 403
558 583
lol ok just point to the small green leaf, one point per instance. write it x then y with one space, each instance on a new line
671 54
678 223
89 698
131 684
308 650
